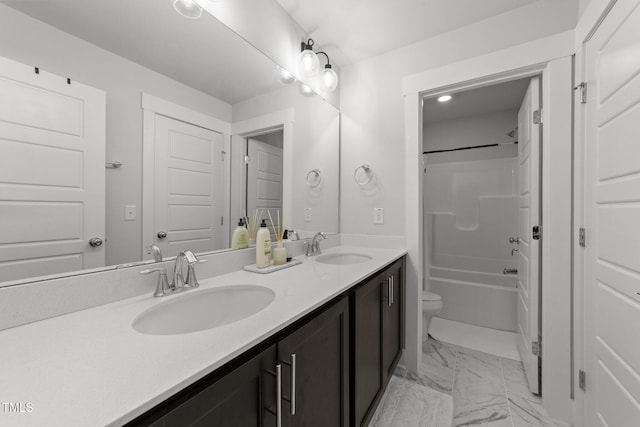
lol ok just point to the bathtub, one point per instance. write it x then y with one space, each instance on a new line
479 298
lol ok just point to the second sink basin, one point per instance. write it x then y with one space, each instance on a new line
343 258
203 309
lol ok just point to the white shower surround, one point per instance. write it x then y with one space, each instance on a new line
471 210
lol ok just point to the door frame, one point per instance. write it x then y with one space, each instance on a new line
550 57
152 106
240 131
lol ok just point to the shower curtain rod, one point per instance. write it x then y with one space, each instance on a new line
470 147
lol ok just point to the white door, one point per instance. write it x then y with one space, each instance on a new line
529 247
264 179
52 173
612 215
189 178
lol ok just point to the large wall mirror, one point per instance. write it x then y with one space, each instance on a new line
125 122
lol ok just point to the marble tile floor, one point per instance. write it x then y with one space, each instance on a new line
457 386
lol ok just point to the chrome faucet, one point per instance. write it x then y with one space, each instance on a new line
294 233
179 283
155 250
313 247
191 281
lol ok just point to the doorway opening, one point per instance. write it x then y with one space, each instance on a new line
481 200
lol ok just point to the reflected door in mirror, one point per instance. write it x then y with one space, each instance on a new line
52 173
264 176
188 194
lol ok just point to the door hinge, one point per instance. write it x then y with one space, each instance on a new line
582 380
222 220
537 232
582 87
537 117
222 155
247 159
582 237
536 348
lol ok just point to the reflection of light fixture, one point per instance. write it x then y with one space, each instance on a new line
329 77
188 8
444 98
305 89
286 77
308 61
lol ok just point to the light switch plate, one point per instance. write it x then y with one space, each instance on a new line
307 214
130 213
378 215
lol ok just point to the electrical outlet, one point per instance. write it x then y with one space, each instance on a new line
307 214
130 213
378 215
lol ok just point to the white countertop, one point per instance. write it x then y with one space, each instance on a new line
92 368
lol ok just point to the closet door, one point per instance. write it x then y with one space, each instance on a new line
612 253
52 173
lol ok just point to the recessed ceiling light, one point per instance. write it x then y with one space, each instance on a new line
188 8
444 98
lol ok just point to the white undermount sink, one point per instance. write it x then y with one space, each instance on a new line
343 258
199 310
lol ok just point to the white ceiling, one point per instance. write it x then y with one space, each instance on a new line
352 30
202 53
484 100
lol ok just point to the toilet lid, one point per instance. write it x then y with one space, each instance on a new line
430 296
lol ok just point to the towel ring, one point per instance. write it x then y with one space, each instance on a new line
366 171
314 178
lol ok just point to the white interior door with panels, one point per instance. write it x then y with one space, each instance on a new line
612 220
52 173
528 319
188 187
264 178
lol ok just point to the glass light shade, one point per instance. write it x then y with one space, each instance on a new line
330 79
305 89
444 98
308 62
286 77
188 8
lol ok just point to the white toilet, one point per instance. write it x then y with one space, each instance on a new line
431 305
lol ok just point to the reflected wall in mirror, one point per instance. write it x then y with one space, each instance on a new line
176 102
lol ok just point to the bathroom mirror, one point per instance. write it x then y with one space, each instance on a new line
154 65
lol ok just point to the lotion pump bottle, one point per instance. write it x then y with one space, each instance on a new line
263 246
240 239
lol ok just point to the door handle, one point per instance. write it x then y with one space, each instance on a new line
278 412
393 298
95 242
162 234
389 292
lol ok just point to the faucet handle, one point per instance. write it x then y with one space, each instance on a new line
162 287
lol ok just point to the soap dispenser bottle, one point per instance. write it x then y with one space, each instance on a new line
240 238
263 246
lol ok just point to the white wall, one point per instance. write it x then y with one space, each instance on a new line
29 41
372 104
314 145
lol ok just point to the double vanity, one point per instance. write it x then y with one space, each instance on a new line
314 344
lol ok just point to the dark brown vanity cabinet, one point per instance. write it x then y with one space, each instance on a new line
378 329
316 378
305 370
328 369
245 396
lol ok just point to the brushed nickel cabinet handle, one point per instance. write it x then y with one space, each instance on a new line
293 384
279 395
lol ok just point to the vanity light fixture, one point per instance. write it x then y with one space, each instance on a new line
285 76
329 76
305 89
308 61
444 98
188 8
